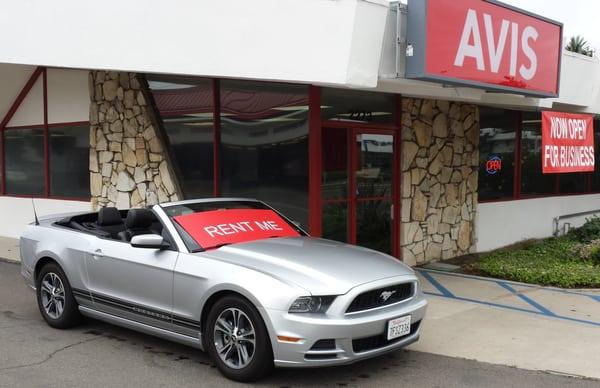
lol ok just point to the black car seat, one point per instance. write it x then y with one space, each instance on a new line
110 221
138 221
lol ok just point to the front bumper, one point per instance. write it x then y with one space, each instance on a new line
368 327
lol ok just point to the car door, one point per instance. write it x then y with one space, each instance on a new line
134 283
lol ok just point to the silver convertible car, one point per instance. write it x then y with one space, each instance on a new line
230 276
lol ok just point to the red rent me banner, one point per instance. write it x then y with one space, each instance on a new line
567 142
214 228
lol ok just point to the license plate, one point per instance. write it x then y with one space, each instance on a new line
398 327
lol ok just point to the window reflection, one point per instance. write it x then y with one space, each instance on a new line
374 225
375 165
572 183
334 181
24 160
357 106
186 109
69 160
264 144
533 181
496 153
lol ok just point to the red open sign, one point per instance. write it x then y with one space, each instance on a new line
229 226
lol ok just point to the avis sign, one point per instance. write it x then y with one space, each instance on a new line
483 44
567 142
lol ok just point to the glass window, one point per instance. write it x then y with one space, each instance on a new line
185 106
573 183
264 144
335 221
334 178
374 225
24 160
69 161
533 182
357 106
496 153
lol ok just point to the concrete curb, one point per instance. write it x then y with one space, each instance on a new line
10 261
528 285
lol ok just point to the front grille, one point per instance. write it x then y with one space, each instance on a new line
379 341
375 298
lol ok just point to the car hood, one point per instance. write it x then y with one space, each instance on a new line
322 267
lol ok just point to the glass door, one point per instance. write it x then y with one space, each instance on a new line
358 182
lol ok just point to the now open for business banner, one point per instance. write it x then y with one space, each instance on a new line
567 142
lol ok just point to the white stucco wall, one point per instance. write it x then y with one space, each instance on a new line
308 41
31 110
12 79
16 213
68 96
504 223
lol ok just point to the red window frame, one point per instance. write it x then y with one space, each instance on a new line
315 148
45 125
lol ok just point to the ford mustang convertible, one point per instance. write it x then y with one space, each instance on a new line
230 276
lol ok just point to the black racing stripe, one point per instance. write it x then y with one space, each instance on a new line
81 294
132 308
149 324
180 321
147 312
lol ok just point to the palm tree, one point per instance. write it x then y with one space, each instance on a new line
579 45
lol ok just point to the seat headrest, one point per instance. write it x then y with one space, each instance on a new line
139 218
109 216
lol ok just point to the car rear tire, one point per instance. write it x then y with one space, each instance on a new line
237 340
55 299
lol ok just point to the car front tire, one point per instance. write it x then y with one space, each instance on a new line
237 340
55 299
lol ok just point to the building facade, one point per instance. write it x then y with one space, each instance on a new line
331 133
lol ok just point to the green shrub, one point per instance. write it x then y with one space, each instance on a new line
589 231
551 262
595 255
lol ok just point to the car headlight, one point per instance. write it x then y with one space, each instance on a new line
311 304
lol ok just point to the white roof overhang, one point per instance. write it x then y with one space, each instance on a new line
336 42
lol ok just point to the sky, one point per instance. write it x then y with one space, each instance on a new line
579 17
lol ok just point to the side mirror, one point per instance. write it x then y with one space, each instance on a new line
150 241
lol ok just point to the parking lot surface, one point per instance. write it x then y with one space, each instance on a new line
509 323
100 355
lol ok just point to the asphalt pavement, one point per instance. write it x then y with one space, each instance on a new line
101 355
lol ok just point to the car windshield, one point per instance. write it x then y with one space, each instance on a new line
211 225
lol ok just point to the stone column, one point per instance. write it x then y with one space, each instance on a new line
128 167
440 155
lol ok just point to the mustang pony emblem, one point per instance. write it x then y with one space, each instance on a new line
385 295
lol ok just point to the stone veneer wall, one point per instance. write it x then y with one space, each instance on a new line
440 156
128 167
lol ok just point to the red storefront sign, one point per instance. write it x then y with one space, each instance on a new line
484 44
212 229
567 142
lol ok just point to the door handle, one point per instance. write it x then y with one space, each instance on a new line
97 254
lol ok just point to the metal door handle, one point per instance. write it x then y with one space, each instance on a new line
97 254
